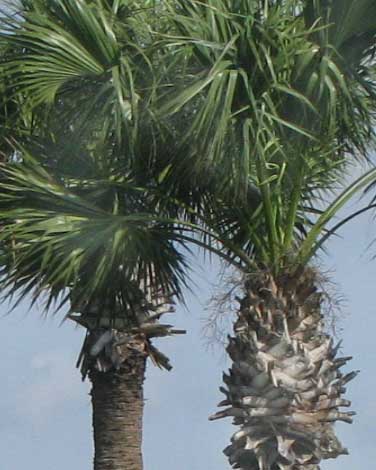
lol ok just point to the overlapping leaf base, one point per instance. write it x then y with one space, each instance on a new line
285 386
110 342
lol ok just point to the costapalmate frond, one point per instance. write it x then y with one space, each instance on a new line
88 61
57 239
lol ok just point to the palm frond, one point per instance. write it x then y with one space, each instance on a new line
56 239
78 56
315 239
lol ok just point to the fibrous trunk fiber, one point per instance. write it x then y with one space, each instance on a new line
118 402
285 387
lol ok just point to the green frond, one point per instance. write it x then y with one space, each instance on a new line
272 101
56 239
84 59
315 238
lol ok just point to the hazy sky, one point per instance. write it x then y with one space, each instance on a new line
45 412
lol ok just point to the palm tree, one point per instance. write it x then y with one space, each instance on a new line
280 99
86 220
97 244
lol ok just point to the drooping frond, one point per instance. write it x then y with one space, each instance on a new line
99 240
266 82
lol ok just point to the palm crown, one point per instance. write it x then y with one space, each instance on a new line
279 107
96 207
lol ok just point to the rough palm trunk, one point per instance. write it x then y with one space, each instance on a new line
118 402
285 387
114 355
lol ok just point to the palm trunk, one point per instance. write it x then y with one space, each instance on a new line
114 356
285 386
118 402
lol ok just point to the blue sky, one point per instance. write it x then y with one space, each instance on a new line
45 409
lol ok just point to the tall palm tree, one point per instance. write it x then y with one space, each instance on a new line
99 245
86 221
280 97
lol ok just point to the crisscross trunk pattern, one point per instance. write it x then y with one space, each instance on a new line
284 388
